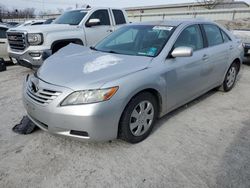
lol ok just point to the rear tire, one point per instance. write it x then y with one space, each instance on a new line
138 118
230 78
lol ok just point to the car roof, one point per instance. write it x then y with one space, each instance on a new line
91 8
175 22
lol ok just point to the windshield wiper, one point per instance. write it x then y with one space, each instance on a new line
112 52
93 48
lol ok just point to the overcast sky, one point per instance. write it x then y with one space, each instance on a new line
54 4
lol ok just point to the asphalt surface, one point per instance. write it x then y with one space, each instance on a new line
203 144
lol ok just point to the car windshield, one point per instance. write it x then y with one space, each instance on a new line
139 40
71 17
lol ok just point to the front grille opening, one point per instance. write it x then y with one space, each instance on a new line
50 91
40 95
79 133
17 41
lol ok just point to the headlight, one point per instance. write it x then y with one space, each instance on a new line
35 38
89 96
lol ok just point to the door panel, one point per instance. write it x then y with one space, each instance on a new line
185 79
218 53
96 33
3 43
187 76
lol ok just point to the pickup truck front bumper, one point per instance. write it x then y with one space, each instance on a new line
30 59
247 49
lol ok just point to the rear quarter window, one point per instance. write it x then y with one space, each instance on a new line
225 37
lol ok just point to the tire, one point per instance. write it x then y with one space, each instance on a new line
230 78
138 118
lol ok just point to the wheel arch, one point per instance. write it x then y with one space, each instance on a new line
154 92
64 42
237 62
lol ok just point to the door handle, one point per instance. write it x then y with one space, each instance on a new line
205 57
2 42
110 30
231 47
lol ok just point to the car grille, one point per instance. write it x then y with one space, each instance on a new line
17 41
40 95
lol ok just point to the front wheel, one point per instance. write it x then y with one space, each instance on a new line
230 78
138 118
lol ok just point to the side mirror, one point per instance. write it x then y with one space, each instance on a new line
93 22
182 52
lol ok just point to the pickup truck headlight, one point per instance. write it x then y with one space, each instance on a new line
35 38
89 96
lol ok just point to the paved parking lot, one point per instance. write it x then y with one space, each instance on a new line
203 144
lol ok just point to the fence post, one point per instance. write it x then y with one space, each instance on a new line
234 12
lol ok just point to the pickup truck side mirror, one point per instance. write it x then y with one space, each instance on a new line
93 22
182 52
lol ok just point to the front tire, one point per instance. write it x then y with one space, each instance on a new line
230 78
138 118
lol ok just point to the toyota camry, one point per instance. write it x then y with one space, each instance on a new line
122 85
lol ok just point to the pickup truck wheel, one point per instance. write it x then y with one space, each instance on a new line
230 77
138 118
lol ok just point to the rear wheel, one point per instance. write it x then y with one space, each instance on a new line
230 77
138 118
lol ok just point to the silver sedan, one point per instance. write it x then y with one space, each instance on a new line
118 88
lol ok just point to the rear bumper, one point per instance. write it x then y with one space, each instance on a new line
30 59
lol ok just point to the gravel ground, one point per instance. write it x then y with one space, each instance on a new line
203 144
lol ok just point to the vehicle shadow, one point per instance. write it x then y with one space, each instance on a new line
175 112
234 168
9 63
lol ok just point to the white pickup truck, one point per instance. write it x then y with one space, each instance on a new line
3 42
29 46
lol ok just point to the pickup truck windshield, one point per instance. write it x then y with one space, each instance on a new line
139 40
71 17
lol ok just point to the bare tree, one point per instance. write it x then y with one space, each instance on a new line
16 13
60 10
210 4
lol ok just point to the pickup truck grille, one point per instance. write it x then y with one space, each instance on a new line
40 95
17 41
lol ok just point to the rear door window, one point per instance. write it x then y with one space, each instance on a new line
119 17
213 34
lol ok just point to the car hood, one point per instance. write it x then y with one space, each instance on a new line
79 68
44 28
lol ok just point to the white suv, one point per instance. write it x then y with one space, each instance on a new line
31 45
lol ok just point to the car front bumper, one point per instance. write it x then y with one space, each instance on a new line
30 59
96 122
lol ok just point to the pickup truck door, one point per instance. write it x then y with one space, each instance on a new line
3 43
96 33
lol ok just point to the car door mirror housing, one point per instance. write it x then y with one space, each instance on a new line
182 52
93 22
